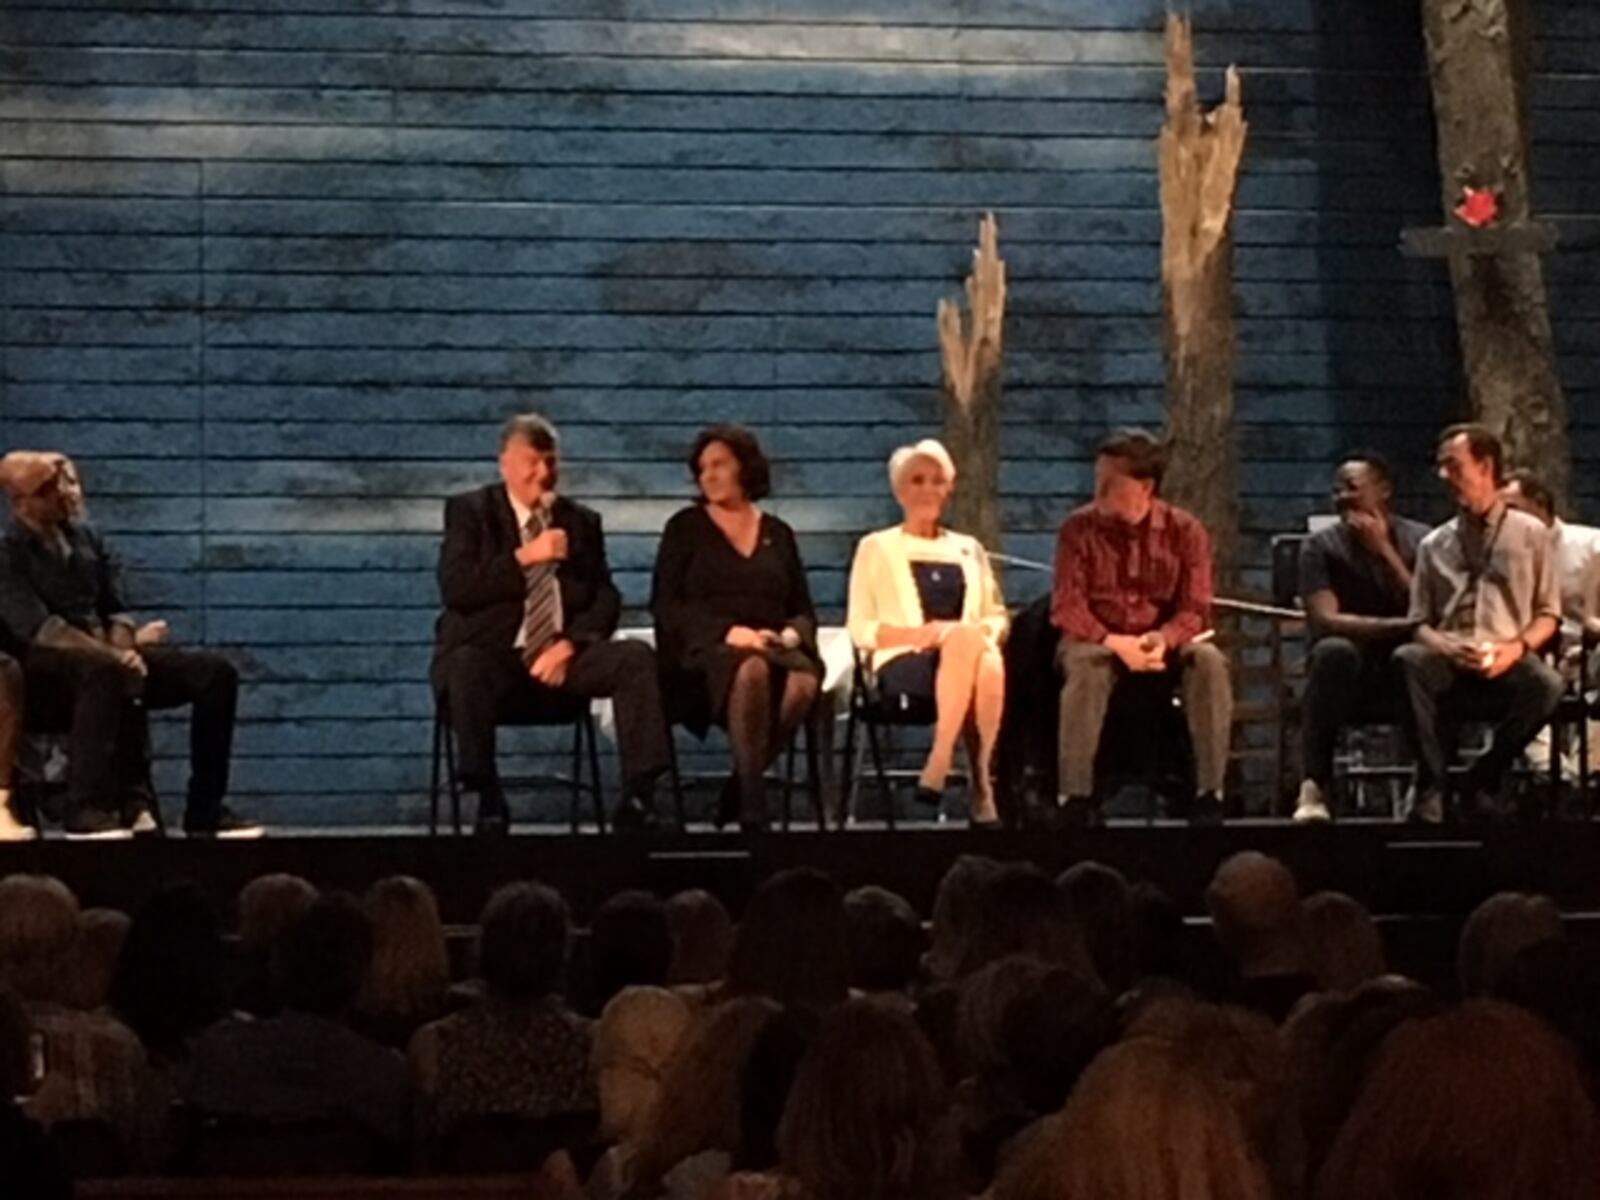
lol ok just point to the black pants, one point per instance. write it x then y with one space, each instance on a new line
103 707
488 688
1442 695
1345 679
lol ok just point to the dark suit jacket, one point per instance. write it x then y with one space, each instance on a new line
484 589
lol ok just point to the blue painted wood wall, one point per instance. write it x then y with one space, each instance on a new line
274 270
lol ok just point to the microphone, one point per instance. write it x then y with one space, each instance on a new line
790 637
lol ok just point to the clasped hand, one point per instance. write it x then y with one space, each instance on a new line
549 666
742 637
1489 659
1140 653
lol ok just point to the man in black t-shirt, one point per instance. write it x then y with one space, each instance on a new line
1355 583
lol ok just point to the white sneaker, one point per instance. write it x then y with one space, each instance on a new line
1311 808
11 829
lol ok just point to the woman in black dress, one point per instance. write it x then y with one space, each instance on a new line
735 631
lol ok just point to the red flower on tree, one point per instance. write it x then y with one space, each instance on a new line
1479 207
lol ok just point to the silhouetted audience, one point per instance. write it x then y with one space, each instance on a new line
408 979
1051 1040
306 1062
630 945
30 1168
519 1051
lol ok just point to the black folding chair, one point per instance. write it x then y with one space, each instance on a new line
562 710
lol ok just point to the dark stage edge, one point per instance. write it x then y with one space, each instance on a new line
1396 870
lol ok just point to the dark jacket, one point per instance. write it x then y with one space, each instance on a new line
484 589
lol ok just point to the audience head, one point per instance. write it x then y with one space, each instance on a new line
1151 1119
1158 934
1525 490
1497 931
38 923
1255 913
1558 981
1470 461
1034 1027
1103 903
1479 1102
698 1105
765 1085
530 457
634 1040
867 1116
629 944
93 959
522 941
1363 482
791 943
1333 1039
728 465
1342 940
1241 1054
1128 467
1021 911
702 937
321 960
70 481
410 968
268 905
169 981
35 485
922 476
885 940
954 917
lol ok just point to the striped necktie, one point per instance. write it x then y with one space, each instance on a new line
541 610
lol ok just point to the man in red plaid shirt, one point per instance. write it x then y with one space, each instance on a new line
1133 596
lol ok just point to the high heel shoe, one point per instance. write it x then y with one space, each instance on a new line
929 797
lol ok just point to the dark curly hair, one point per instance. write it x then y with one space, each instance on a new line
755 472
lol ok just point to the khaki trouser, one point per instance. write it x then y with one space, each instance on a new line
1092 672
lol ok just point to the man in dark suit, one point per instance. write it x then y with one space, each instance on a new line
529 609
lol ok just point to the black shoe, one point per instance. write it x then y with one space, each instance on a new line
491 823
928 797
727 803
755 826
1079 812
634 814
987 825
226 824
1206 809
85 824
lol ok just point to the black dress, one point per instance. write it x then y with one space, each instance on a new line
702 588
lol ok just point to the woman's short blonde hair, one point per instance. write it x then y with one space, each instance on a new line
929 448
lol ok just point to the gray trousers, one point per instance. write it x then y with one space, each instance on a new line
1442 695
1091 673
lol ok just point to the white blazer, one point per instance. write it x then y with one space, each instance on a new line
883 591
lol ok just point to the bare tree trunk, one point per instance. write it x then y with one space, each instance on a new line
971 356
1200 157
1477 57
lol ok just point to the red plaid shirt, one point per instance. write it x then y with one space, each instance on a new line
1112 577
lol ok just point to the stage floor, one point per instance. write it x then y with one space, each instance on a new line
1395 869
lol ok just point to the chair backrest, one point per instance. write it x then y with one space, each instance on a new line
253 1147
1286 568
505 1143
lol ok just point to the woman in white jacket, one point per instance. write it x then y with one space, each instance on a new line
925 605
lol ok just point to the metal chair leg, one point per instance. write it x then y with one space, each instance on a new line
882 776
814 775
575 790
433 775
593 736
451 780
849 768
